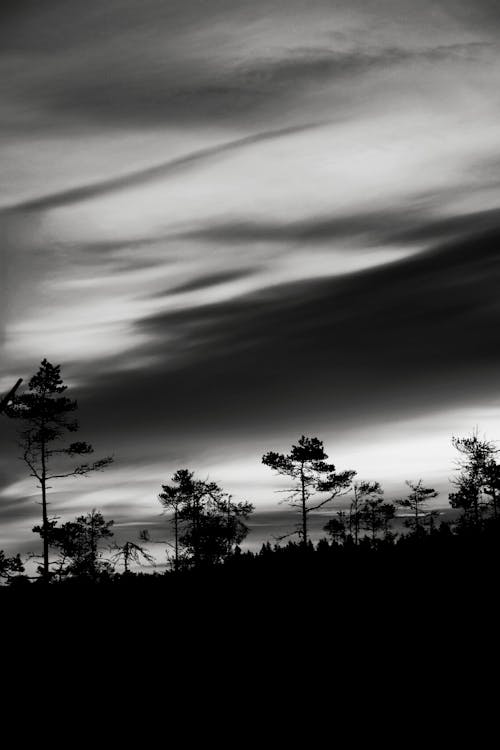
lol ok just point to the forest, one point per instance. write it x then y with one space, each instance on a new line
370 544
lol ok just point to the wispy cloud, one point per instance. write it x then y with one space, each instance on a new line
157 172
235 222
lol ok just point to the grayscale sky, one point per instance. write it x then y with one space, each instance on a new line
236 222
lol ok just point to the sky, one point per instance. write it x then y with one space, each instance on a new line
235 223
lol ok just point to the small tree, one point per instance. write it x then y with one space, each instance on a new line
130 552
416 503
376 514
491 486
46 414
336 527
362 492
207 523
78 543
173 497
315 482
235 515
475 478
10 565
429 520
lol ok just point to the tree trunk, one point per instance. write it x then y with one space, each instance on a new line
45 519
304 509
176 541
196 528
93 549
356 522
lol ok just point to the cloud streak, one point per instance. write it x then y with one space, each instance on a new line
233 223
157 172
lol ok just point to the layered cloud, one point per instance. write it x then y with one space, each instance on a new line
233 224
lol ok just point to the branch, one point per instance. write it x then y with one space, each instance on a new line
286 536
319 505
31 466
328 499
84 469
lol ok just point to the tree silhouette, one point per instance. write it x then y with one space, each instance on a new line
476 480
362 492
130 552
10 565
312 476
491 487
78 543
235 515
207 523
416 503
376 514
173 497
336 527
46 414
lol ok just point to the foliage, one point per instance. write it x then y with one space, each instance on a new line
376 514
477 480
78 544
416 503
315 482
9 566
46 415
130 552
208 524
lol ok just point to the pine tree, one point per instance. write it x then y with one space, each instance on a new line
376 514
476 480
416 503
362 491
46 414
10 565
315 482
78 543
130 552
207 522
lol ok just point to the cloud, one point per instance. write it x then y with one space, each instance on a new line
217 277
369 229
404 338
157 172
205 282
235 91
156 65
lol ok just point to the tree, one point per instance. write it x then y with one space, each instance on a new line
10 565
78 543
429 520
130 552
235 515
173 497
46 414
207 523
336 527
315 482
491 486
376 514
416 503
476 480
362 492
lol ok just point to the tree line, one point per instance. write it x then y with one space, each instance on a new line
207 525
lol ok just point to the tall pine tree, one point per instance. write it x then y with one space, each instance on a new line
47 418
